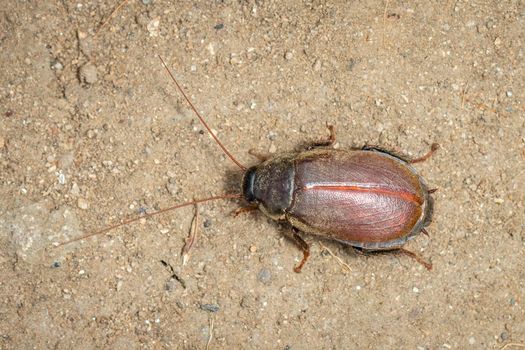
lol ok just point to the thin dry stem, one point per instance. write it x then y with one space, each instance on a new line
113 13
508 345
192 237
338 259
212 320
384 24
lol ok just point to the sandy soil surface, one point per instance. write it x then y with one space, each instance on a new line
93 131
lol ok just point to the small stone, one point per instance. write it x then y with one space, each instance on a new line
497 41
504 336
351 64
288 55
82 203
498 200
253 249
210 307
61 179
207 223
56 265
219 26
272 148
88 74
509 93
317 65
172 188
75 190
264 275
415 290
57 65
248 302
153 27
472 340
146 2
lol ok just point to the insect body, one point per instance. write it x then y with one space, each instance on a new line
364 198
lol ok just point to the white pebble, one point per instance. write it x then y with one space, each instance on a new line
61 178
82 203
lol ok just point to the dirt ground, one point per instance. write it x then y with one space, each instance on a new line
93 131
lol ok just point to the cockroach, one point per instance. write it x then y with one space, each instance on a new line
367 198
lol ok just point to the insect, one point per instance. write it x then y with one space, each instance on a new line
367 198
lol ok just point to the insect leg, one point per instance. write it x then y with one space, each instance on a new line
405 158
261 156
305 247
327 142
241 210
416 257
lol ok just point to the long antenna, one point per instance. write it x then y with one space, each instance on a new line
161 211
201 118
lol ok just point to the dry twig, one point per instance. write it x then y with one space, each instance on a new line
122 3
192 237
519 345
211 332
338 259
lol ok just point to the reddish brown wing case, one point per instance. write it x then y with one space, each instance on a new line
366 199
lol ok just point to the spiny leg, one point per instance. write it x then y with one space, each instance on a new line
416 257
246 209
433 149
403 251
407 159
327 142
261 156
299 242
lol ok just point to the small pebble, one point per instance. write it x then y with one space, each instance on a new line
509 93
210 307
56 265
57 65
351 64
172 188
247 302
88 74
504 336
61 178
264 275
146 2
472 340
207 223
82 203
253 249
415 290
219 26
272 148
317 65
288 55
75 190
153 27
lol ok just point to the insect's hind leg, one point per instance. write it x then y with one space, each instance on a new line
400 250
433 148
